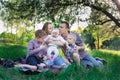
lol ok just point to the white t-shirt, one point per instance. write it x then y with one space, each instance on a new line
58 38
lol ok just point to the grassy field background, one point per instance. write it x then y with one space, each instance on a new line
111 70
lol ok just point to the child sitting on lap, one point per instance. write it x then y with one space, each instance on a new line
52 50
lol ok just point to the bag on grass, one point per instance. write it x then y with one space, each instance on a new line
7 63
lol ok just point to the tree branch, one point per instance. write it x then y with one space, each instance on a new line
103 22
105 12
96 8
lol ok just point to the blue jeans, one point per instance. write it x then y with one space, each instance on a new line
91 61
58 61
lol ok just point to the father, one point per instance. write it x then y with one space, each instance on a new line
85 58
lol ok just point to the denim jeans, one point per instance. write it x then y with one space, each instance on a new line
91 61
58 61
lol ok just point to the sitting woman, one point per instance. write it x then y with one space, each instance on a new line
37 58
48 28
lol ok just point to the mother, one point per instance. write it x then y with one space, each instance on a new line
48 28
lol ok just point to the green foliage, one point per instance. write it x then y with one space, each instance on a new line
79 30
96 36
7 37
87 34
25 13
21 38
113 43
42 10
25 37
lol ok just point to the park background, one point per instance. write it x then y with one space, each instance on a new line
96 21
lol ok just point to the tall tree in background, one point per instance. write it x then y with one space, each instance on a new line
35 11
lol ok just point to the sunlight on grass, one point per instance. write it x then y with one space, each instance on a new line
110 51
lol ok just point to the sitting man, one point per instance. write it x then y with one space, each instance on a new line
82 55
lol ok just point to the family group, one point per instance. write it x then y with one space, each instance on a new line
57 48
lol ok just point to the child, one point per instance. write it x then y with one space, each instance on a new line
71 51
36 52
52 50
36 48
70 48
37 58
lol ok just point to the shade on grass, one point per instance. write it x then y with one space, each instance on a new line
12 52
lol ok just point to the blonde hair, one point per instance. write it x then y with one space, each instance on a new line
73 36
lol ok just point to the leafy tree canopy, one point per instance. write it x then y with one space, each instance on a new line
41 10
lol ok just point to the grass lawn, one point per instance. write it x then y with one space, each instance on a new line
111 70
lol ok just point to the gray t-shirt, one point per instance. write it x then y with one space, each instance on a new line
34 49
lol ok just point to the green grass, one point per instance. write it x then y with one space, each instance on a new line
111 70
12 52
